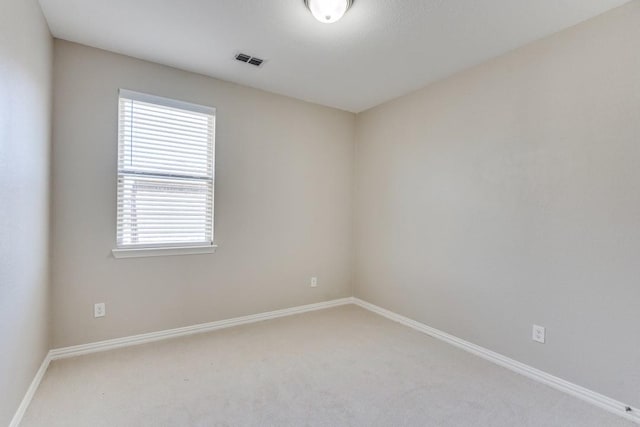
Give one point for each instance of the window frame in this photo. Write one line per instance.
(170, 248)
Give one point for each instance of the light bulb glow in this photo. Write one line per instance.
(328, 11)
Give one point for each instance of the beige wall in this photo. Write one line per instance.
(25, 106)
(508, 195)
(283, 204)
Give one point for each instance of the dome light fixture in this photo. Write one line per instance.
(328, 11)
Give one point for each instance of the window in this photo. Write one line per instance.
(165, 175)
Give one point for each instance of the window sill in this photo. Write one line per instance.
(148, 252)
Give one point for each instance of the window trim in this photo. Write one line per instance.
(168, 249)
(163, 251)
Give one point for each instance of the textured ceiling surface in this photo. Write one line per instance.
(381, 49)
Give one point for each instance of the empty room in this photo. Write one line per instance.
(320, 213)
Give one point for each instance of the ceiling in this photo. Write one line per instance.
(381, 49)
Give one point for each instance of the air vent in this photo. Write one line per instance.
(256, 61)
(243, 57)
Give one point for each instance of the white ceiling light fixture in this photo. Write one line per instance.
(328, 11)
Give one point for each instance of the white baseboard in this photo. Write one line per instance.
(575, 390)
(26, 400)
(94, 347)
(78, 350)
(582, 393)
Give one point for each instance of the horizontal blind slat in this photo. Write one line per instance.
(168, 168)
(167, 147)
(142, 126)
(168, 118)
(137, 115)
(133, 158)
(164, 128)
(128, 135)
(161, 198)
(155, 151)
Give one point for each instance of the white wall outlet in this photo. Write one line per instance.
(538, 334)
(99, 310)
(314, 282)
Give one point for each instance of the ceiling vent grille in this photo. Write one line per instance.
(243, 57)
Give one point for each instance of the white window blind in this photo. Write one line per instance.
(165, 172)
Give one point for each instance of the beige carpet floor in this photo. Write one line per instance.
(338, 367)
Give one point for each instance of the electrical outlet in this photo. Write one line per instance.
(99, 310)
(314, 282)
(538, 334)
